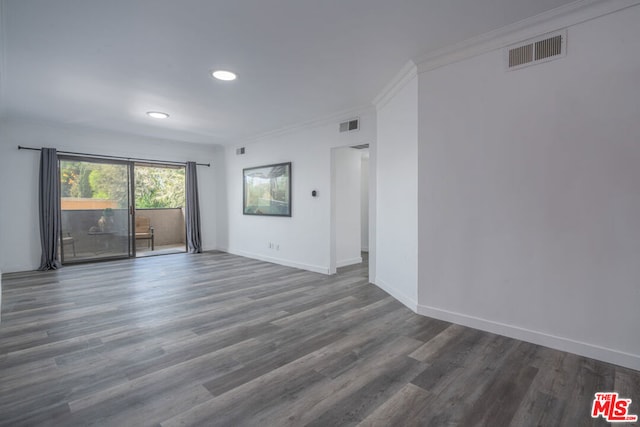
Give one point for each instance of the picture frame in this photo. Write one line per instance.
(266, 190)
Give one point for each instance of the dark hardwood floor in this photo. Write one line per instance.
(215, 339)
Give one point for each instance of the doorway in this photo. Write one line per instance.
(120, 209)
(349, 206)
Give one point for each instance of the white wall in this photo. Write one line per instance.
(397, 195)
(529, 193)
(19, 229)
(304, 239)
(364, 202)
(347, 164)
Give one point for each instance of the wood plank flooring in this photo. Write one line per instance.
(219, 340)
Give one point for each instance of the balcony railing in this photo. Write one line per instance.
(83, 224)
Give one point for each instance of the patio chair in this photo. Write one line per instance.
(144, 230)
(69, 240)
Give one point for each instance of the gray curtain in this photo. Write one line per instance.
(49, 201)
(192, 210)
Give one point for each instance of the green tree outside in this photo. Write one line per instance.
(156, 187)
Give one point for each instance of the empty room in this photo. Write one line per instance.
(330, 213)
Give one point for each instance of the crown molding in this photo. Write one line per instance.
(571, 14)
(404, 76)
(43, 124)
(285, 130)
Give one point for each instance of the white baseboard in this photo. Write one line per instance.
(20, 268)
(559, 343)
(280, 261)
(347, 262)
(404, 299)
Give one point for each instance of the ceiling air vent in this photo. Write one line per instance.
(541, 49)
(350, 125)
(360, 147)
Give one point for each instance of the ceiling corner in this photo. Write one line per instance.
(556, 19)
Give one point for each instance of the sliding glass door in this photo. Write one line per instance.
(120, 209)
(96, 209)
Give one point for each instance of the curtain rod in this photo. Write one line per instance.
(103, 156)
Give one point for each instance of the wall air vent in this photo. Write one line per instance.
(520, 55)
(350, 125)
(548, 47)
(541, 49)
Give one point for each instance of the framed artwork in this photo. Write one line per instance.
(267, 190)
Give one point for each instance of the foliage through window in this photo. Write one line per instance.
(159, 187)
(156, 187)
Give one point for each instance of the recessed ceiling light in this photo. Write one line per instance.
(224, 75)
(157, 115)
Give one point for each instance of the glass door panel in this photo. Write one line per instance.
(159, 214)
(95, 209)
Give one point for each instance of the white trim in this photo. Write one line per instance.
(560, 343)
(562, 17)
(280, 261)
(404, 76)
(401, 297)
(20, 268)
(373, 200)
(79, 127)
(347, 262)
(336, 118)
(333, 265)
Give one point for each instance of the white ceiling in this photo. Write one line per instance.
(103, 64)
